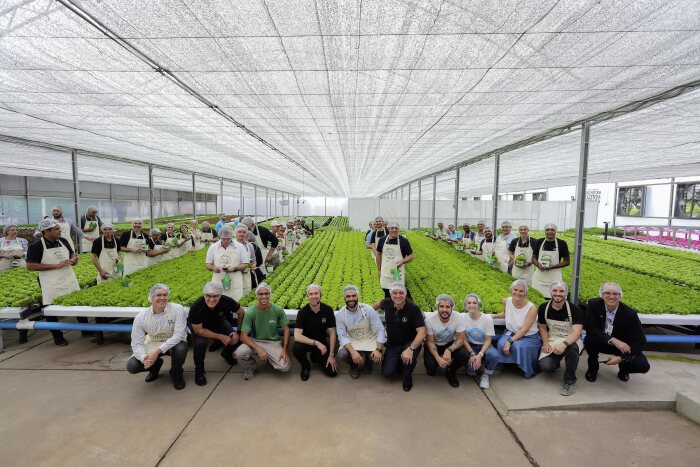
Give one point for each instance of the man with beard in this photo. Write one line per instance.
(444, 347)
(550, 254)
(486, 250)
(560, 324)
(314, 321)
(380, 230)
(68, 227)
(136, 246)
(360, 332)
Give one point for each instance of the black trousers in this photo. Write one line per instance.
(631, 363)
(460, 357)
(54, 319)
(300, 350)
(552, 362)
(393, 365)
(201, 343)
(177, 354)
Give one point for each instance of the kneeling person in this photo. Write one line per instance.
(211, 317)
(314, 321)
(259, 334)
(444, 345)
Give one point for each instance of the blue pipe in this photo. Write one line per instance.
(41, 325)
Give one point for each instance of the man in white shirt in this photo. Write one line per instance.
(444, 347)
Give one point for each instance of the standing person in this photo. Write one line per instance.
(480, 333)
(468, 238)
(614, 328)
(361, 334)
(207, 235)
(221, 222)
(393, 253)
(186, 240)
(453, 236)
(172, 240)
(405, 330)
(68, 227)
(440, 233)
(380, 231)
(368, 235)
(550, 254)
(521, 342)
(444, 346)
(160, 250)
(225, 259)
(196, 235)
(264, 239)
(561, 324)
(487, 248)
(259, 335)
(53, 258)
(520, 252)
(211, 317)
(256, 274)
(480, 235)
(91, 225)
(136, 246)
(248, 257)
(105, 254)
(13, 250)
(503, 241)
(159, 330)
(314, 321)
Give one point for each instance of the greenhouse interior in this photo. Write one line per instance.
(422, 151)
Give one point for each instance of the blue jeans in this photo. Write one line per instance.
(490, 359)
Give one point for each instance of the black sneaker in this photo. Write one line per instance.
(200, 379)
(215, 345)
(623, 375)
(179, 382)
(367, 367)
(591, 376)
(452, 379)
(407, 383)
(62, 342)
(154, 371)
(430, 372)
(304, 375)
(354, 372)
(230, 359)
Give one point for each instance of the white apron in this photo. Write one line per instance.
(205, 238)
(56, 282)
(229, 259)
(15, 249)
(488, 253)
(153, 341)
(186, 247)
(523, 254)
(542, 280)
(502, 256)
(86, 242)
(108, 259)
(135, 261)
(559, 330)
(151, 260)
(469, 244)
(362, 334)
(65, 232)
(172, 243)
(247, 279)
(263, 250)
(391, 254)
(477, 239)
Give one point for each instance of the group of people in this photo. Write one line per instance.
(535, 338)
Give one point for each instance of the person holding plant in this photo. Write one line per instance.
(264, 239)
(227, 260)
(503, 241)
(441, 233)
(393, 253)
(445, 342)
(614, 328)
(13, 249)
(480, 235)
(453, 236)
(211, 317)
(315, 321)
(487, 248)
(468, 237)
(186, 239)
(207, 235)
(550, 254)
(196, 234)
(160, 249)
(159, 330)
(405, 330)
(91, 225)
(260, 336)
(361, 333)
(136, 246)
(105, 254)
(520, 252)
(480, 333)
(561, 324)
(520, 343)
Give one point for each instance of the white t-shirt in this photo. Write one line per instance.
(479, 329)
(444, 333)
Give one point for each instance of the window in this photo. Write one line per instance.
(477, 198)
(630, 201)
(519, 197)
(540, 196)
(688, 201)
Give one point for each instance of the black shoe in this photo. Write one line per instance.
(430, 372)
(23, 336)
(179, 382)
(100, 338)
(61, 341)
(304, 375)
(407, 383)
(591, 376)
(200, 379)
(452, 379)
(230, 359)
(215, 345)
(154, 371)
(367, 367)
(623, 375)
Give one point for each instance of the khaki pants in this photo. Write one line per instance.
(274, 352)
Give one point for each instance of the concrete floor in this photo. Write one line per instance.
(76, 405)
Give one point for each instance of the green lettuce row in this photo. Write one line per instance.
(687, 256)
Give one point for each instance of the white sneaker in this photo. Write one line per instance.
(248, 373)
(484, 384)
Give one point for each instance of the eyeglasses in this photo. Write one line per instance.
(211, 297)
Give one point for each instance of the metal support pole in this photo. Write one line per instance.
(76, 193)
(496, 176)
(242, 204)
(111, 204)
(432, 223)
(267, 204)
(194, 198)
(456, 198)
(26, 197)
(670, 203)
(325, 206)
(150, 195)
(420, 192)
(580, 211)
(255, 203)
(409, 206)
(614, 223)
(275, 210)
(221, 195)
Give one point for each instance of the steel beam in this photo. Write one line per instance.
(580, 211)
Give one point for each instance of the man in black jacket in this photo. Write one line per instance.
(614, 328)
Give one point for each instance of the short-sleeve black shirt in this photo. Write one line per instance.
(200, 313)
(401, 326)
(36, 250)
(268, 239)
(403, 243)
(97, 245)
(518, 242)
(377, 234)
(315, 325)
(549, 246)
(126, 236)
(560, 315)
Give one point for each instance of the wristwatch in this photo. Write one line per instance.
(331, 354)
(411, 347)
(510, 340)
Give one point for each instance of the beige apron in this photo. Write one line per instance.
(56, 282)
(65, 232)
(542, 280)
(205, 238)
(520, 272)
(151, 260)
(488, 253)
(502, 256)
(477, 239)
(107, 259)
(15, 249)
(264, 250)
(153, 341)
(196, 237)
(185, 247)
(247, 279)
(229, 258)
(362, 334)
(175, 251)
(559, 330)
(391, 254)
(86, 242)
(135, 261)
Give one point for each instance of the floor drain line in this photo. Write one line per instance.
(513, 434)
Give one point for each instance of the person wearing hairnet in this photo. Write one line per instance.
(13, 249)
(264, 239)
(68, 227)
(136, 246)
(159, 330)
(445, 335)
(228, 260)
(105, 253)
(549, 255)
(393, 253)
(91, 225)
(160, 250)
(207, 235)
